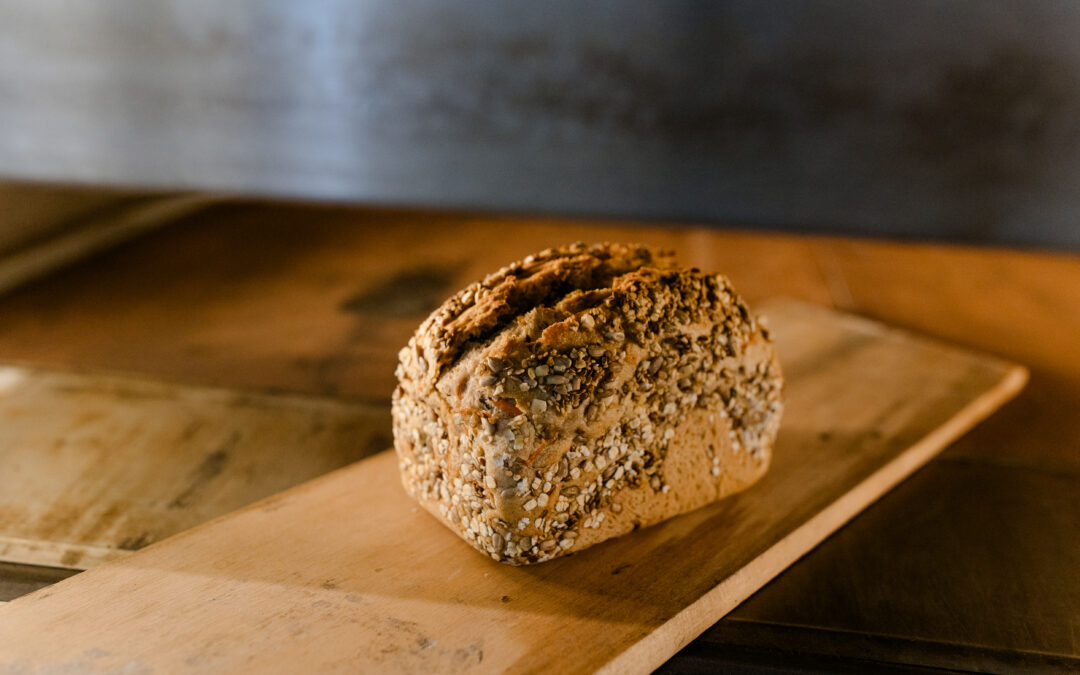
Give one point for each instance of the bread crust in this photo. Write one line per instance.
(582, 393)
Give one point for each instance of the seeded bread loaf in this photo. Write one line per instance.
(580, 394)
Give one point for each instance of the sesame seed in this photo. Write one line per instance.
(542, 500)
(587, 321)
(538, 406)
(539, 371)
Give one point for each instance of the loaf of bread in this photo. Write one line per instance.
(582, 393)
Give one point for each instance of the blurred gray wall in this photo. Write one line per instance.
(956, 120)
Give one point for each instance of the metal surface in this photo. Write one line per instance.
(958, 119)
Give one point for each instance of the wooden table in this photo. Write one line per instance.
(973, 563)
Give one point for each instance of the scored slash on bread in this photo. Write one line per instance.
(582, 393)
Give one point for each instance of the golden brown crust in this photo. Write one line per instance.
(479, 311)
(581, 393)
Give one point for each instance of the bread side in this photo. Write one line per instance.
(582, 393)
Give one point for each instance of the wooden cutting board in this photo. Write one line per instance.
(93, 466)
(345, 574)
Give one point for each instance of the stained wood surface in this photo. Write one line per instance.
(31, 212)
(945, 510)
(93, 466)
(344, 573)
(18, 580)
(316, 300)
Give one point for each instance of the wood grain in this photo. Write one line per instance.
(344, 572)
(93, 466)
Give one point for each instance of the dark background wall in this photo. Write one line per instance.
(956, 120)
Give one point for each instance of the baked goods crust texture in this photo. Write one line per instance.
(582, 393)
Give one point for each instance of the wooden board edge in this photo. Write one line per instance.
(93, 235)
(47, 553)
(657, 647)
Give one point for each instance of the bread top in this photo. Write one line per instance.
(578, 273)
(538, 339)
